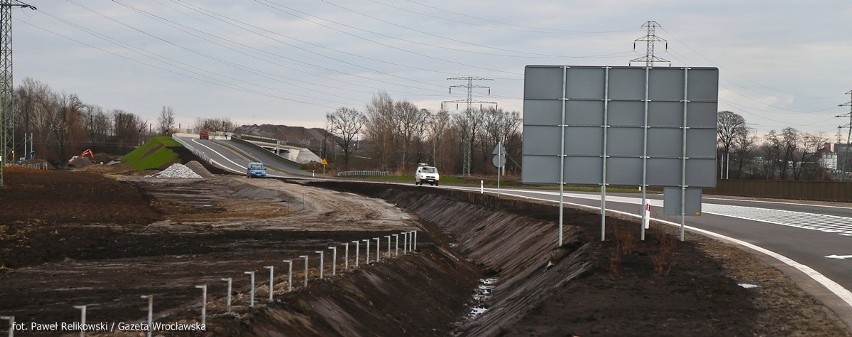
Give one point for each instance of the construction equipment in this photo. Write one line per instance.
(79, 161)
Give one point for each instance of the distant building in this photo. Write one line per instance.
(843, 153)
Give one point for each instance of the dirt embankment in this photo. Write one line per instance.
(619, 287)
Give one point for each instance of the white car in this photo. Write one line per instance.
(426, 174)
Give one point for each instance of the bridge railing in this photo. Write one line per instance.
(196, 152)
(362, 173)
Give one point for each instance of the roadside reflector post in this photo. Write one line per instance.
(481, 187)
(11, 320)
(389, 246)
(647, 219)
(150, 313)
(396, 249)
(289, 275)
(368, 251)
(320, 252)
(271, 281)
(251, 291)
(228, 298)
(306, 268)
(346, 257)
(82, 319)
(357, 246)
(414, 240)
(378, 250)
(203, 288)
(333, 260)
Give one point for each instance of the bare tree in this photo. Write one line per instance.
(745, 143)
(214, 124)
(808, 155)
(380, 128)
(409, 120)
(728, 126)
(345, 123)
(166, 121)
(438, 125)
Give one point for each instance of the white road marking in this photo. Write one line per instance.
(839, 257)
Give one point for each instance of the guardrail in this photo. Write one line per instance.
(194, 151)
(362, 173)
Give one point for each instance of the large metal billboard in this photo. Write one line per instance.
(620, 125)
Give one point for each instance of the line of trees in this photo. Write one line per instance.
(786, 154)
(398, 135)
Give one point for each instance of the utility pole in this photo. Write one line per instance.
(6, 121)
(650, 39)
(848, 136)
(468, 113)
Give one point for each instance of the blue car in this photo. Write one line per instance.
(255, 169)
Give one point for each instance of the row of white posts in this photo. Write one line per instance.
(409, 245)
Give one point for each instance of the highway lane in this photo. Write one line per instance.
(228, 158)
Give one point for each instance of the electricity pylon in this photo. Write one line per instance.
(650, 39)
(848, 136)
(468, 114)
(6, 121)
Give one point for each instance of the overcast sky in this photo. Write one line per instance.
(782, 63)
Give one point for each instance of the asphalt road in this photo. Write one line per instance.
(811, 242)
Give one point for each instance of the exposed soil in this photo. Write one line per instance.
(70, 238)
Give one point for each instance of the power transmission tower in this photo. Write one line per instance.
(6, 121)
(848, 136)
(468, 136)
(650, 39)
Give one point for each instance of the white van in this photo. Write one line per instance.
(428, 174)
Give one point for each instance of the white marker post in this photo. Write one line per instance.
(271, 281)
(306, 268)
(203, 288)
(230, 283)
(396, 249)
(333, 260)
(357, 246)
(150, 313)
(289, 275)
(251, 292)
(414, 240)
(11, 320)
(389, 246)
(378, 250)
(368, 250)
(320, 252)
(82, 319)
(405, 243)
(346, 257)
(481, 187)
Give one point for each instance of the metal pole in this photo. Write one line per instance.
(82, 319)
(251, 293)
(228, 301)
(603, 156)
(271, 281)
(414, 240)
(645, 150)
(499, 159)
(684, 157)
(321, 253)
(203, 288)
(357, 247)
(289, 275)
(333, 260)
(11, 324)
(562, 156)
(306, 268)
(150, 313)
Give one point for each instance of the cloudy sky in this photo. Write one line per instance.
(782, 63)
